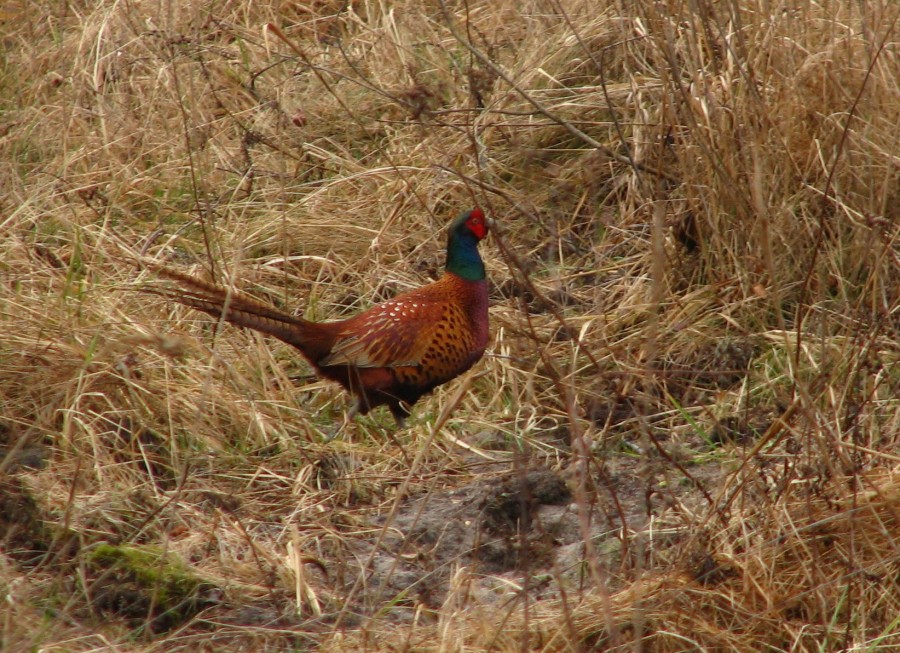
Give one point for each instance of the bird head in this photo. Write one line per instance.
(462, 245)
(474, 222)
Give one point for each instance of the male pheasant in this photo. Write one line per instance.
(392, 353)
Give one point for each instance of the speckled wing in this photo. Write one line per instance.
(397, 333)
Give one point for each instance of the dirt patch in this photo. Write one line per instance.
(520, 530)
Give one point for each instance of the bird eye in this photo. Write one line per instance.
(477, 223)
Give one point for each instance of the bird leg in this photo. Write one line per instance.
(360, 408)
(400, 412)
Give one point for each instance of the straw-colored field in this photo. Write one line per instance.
(684, 434)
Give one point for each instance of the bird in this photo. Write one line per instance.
(389, 355)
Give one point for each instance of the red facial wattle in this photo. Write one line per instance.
(477, 223)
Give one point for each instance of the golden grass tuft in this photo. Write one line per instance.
(695, 298)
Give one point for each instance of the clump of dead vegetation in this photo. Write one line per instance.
(684, 435)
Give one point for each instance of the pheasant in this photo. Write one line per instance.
(391, 354)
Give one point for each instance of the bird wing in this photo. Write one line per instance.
(396, 333)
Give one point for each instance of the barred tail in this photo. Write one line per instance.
(243, 311)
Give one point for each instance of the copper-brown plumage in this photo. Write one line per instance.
(394, 352)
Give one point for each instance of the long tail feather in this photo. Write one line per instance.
(241, 310)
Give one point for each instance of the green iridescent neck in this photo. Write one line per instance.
(463, 258)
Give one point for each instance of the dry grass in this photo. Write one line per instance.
(695, 318)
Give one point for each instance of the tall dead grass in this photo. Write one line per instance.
(695, 280)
